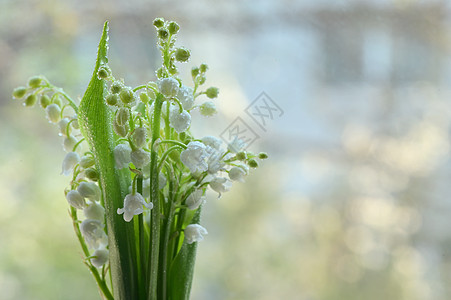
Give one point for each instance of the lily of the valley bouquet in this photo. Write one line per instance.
(138, 176)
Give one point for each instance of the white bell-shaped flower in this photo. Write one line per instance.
(140, 157)
(237, 174)
(53, 112)
(89, 190)
(63, 127)
(100, 257)
(214, 160)
(212, 141)
(194, 233)
(180, 121)
(186, 97)
(92, 231)
(220, 185)
(236, 145)
(195, 199)
(133, 205)
(208, 109)
(94, 211)
(139, 137)
(69, 143)
(70, 161)
(76, 200)
(122, 155)
(168, 86)
(194, 157)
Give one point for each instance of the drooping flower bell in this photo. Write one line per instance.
(89, 190)
(194, 157)
(133, 205)
(180, 121)
(76, 200)
(92, 231)
(168, 86)
(100, 257)
(70, 161)
(122, 155)
(185, 96)
(220, 185)
(194, 233)
(195, 199)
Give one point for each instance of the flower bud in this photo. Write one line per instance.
(173, 27)
(194, 233)
(53, 113)
(122, 155)
(19, 92)
(100, 257)
(92, 174)
(87, 161)
(241, 155)
(161, 73)
(203, 68)
(194, 71)
(144, 98)
(263, 155)
(57, 101)
(122, 116)
(69, 143)
(208, 109)
(75, 199)
(158, 22)
(126, 95)
(69, 162)
(163, 33)
(212, 92)
(112, 99)
(104, 72)
(252, 163)
(94, 211)
(120, 130)
(116, 87)
(140, 158)
(168, 86)
(182, 54)
(89, 190)
(30, 100)
(202, 79)
(139, 137)
(44, 101)
(34, 81)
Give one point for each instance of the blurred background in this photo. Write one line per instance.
(354, 201)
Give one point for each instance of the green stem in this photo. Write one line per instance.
(154, 196)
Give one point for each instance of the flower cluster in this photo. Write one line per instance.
(167, 169)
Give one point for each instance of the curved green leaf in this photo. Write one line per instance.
(95, 119)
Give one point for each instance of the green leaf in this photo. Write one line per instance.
(182, 269)
(95, 119)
